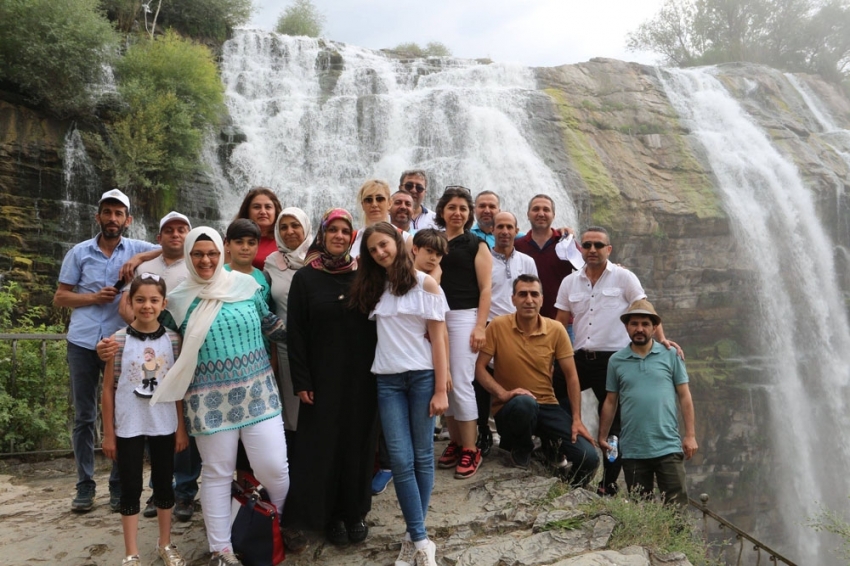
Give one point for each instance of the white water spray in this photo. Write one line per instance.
(803, 325)
(463, 122)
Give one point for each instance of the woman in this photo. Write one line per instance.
(293, 236)
(411, 365)
(224, 377)
(374, 199)
(466, 282)
(331, 349)
(262, 206)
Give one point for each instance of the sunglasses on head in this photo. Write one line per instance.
(409, 186)
(458, 188)
(597, 245)
(376, 198)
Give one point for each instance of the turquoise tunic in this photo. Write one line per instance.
(233, 385)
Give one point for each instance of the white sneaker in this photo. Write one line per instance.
(426, 556)
(405, 555)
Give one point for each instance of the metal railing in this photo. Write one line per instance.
(741, 536)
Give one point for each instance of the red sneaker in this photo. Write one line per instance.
(470, 460)
(450, 457)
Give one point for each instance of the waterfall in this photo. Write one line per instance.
(321, 117)
(802, 325)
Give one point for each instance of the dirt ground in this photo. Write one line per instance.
(37, 525)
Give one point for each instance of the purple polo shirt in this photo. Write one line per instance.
(550, 268)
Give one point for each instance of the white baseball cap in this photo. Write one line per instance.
(115, 194)
(171, 217)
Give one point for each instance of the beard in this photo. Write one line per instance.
(110, 231)
(640, 339)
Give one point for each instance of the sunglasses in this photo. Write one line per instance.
(411, 186)
(597, 245)
(378, 198)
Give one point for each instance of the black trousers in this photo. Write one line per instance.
(131, 458)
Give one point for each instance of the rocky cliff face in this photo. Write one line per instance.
(609, 133)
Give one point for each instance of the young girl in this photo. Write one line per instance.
(146, 351)
(411, 372)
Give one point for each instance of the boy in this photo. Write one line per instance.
(241, 242)
(429, 247)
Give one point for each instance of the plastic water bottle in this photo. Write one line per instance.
(614, 451)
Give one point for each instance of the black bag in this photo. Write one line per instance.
(255, 525)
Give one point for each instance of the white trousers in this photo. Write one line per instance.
(460, 324)
(265, 445)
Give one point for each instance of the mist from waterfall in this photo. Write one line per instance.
(321, 117)
(802, 325)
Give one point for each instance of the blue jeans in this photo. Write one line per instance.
(187, 470)
(523, 416)
(404, 400)
(85, 369)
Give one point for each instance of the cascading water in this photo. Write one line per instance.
(321, 117)
(802, 326)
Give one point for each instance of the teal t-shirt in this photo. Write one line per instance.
(265, 293)
(647, 390)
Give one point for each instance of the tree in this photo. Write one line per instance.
(208, 19)
(432, 49)
(301, 18)
(53, 52)
(173, 95)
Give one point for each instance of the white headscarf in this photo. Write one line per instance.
(286, 258)
(223, 287)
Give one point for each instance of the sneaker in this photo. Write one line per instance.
(84, 501)
(294, 541)
(169, 555)
(426, 556)
(485, 441)
(470, 461)
(183, 509)
(406, 554)
(132, 560)
(450, 456)
(443, 434)
(520, 459)
(562, 464)
(380, 481)
(150, 509)
(224, 559)
(114, 501)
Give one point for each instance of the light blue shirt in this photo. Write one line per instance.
(88, 270)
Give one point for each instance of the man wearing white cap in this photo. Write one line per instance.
(88, 283)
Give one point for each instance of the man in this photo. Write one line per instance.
(415, 183)
(87, 283)
(646, 379)
(486, 207)
(401, 211)
(524, 346)
(595, 297)
(540, 243)
(171, 266)
(507, 265)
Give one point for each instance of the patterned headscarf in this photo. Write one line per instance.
(318, 256)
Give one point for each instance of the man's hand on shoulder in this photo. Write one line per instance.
(670, 344)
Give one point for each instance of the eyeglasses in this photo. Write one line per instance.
(410, 186)
(597, 245)
(378, 198)
(459, 188)
(153, 276)
(201, 255)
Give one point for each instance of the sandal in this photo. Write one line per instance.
(357, 531)
(337, 533)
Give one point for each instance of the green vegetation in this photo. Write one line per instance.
(432, 49)
(172, 94)
(208, 19)
(797, 35)
(34, 407)
(828, 521)
(301, 18)
(52, 52)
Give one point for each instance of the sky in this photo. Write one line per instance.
(538, 33)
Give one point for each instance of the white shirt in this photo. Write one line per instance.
(173, 274)
(597, 308)
(402, 323)
(505, 270)
(426, 219)
(355, 245)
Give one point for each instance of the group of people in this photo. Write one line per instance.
(294, 355)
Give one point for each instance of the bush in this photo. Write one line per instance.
(173, 95)
(432, 49)
(53, 51)
(301, 18)
(34, 407)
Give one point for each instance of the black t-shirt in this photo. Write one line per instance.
(459, 281)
